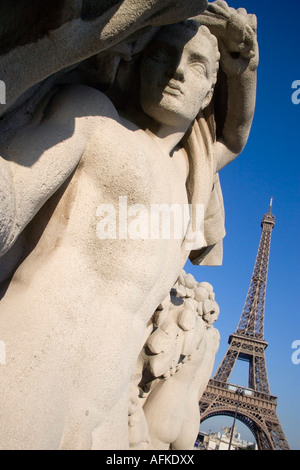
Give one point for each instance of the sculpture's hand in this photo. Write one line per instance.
(235, 31)
(236, 34)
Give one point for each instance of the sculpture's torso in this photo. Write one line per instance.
(78, 304)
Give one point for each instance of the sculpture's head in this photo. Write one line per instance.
(178, 73)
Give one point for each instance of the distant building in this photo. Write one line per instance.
(220, 441)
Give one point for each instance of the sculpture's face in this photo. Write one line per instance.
(177, 75)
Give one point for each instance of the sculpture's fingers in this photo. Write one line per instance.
(219, 7)
(249, 42)
(242, 12)
(252, 21)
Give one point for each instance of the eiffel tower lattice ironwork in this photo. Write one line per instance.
(254, 406)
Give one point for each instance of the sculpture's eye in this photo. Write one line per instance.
(198, 67)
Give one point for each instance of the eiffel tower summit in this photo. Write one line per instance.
(254, 406)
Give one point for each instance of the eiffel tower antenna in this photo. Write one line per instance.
(254, 406)
(270, 207)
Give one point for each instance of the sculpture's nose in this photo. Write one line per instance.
(179, 75)
(176, 70)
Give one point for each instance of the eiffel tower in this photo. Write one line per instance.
(254, 406)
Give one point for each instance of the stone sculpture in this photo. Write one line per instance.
(173, 369)
(77, 302)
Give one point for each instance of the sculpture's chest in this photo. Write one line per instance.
(120, 162)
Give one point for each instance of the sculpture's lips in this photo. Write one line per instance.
(173, 88)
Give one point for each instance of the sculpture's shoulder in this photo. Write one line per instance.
(81, 102)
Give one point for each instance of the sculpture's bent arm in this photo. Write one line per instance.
(236, 34)
(241, 105)
(77, 40)
(39, 159)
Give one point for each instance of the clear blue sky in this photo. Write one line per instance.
(269, 166)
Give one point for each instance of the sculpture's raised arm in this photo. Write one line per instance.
(78, 39)
(236, 34)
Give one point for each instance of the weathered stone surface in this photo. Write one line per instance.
(111, 112)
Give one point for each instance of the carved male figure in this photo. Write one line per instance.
(73, 316)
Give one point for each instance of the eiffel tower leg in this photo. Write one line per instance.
(226, 367)
(263, 443)
(258, 378)
(270, 436)
(277, 435)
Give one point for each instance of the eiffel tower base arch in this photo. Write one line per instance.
(256, 410)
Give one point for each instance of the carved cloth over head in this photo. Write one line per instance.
(204, 187)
